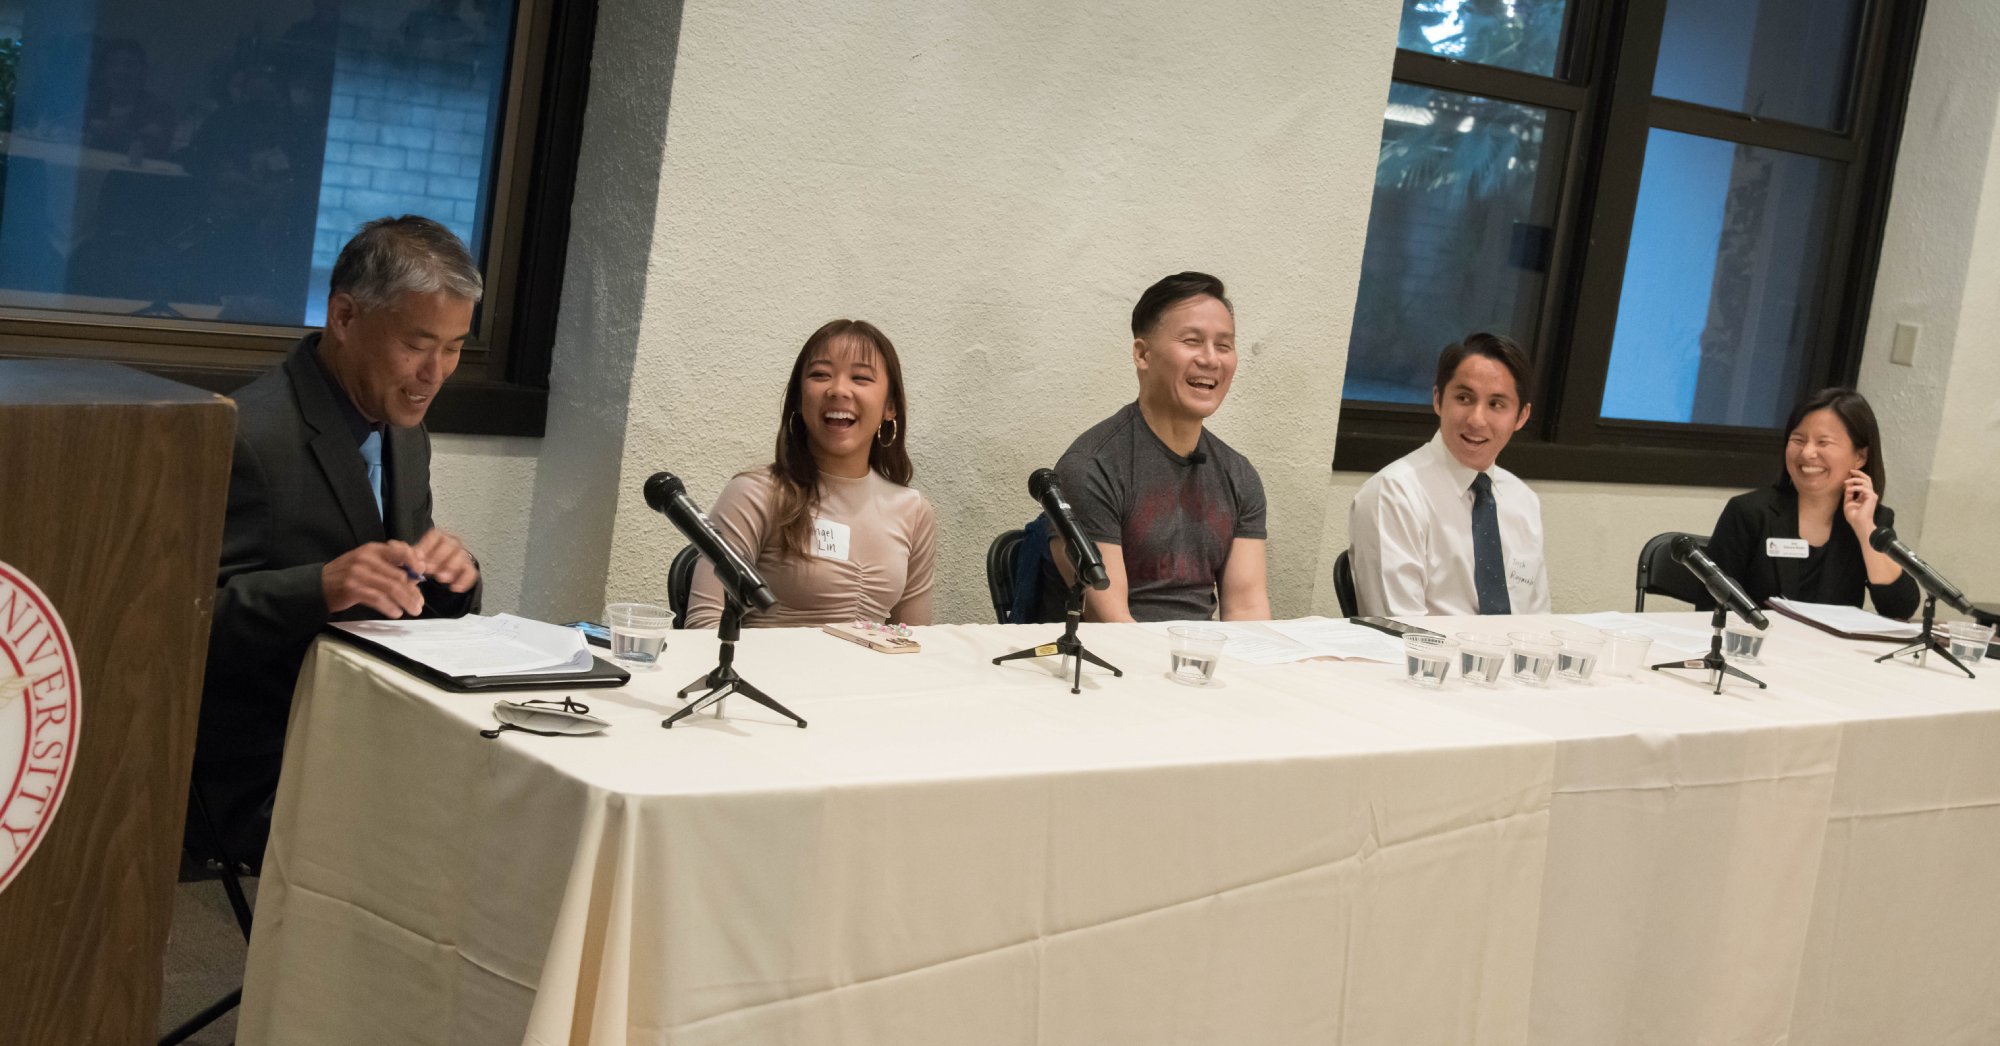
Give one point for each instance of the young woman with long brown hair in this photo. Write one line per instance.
(832, 523)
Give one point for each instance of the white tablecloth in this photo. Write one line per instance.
(1319, 852)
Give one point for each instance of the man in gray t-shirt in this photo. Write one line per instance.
(1177, 515)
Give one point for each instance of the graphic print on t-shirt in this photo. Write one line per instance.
(1173, 536)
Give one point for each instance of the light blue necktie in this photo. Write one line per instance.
(1489, 571)
(371, 452)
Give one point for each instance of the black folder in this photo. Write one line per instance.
(601, 673)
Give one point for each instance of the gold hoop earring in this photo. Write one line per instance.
(891, 441)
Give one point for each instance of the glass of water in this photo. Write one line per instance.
(638, 631)
(1481, 656)
(1579, 654)
(1628, 652)
(1535, 655)
(1742, 644)
(1428, 659)
(1967, 640)
(1194, 651)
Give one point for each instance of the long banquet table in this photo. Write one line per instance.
(1315, 852)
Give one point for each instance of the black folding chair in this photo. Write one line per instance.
(1343, 583)
(680, 582)
(1662, 575)
(1000, 560)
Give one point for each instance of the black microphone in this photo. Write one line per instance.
(1884, 540)
(1083, 555)
(667, 494)
(1196, 457)
(1687, 552)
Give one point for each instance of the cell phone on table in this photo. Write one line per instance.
(1394, 627)
(594, 633)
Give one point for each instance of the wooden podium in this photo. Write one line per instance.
(112, 488)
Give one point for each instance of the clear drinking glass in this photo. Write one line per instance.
(1535, 655)
(1194, 651)
(1427, 659)
(1481, 656)
(1628, 652)
(638, 631)
(1967, 640)
(1579, 655)
(1742, 644)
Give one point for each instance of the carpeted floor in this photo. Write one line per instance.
(204, 959)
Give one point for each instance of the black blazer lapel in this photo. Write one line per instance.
(333, 447)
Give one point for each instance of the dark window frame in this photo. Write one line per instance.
(501, 386)
(1604, 79)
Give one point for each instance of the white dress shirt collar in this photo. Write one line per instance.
(1461, 477)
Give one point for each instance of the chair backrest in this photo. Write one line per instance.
(1662, 575)
(1343, 584)
(680, 582)
(1000, 556)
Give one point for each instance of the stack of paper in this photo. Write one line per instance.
(1281, 642)
(1848, 621)
(501, 645)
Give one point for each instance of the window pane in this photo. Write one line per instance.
(1776, 59)
(1720, 283)
(163, 164)
(1514, 34)
(1459, 235)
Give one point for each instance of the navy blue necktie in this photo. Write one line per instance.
(1489, 568)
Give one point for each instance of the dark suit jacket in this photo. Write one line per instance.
(298, 498)
(1737, 546)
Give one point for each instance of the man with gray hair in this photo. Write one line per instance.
(329, 513)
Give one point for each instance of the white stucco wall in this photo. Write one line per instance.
(482, 490)
(1941, 269)
(994, 184)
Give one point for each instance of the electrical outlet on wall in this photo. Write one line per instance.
(1903, 350)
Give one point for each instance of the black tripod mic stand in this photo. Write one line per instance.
(724, 681)
(1929, 642)
(1713, 660)
(1068, 646)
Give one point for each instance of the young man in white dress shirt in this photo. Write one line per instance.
(1443, 530)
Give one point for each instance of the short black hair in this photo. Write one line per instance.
(1170, 292)
(1496, 347)
(1853, 410)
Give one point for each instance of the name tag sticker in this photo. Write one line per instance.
(830, 539)
(1786, 548)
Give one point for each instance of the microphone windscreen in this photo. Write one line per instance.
(1039, 481)
(1882, 538)
(1197, 458)
(1683, 547)
(661, 487)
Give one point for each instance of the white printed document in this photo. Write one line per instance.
(1847, 621)
(1282, 642)
(473, 645)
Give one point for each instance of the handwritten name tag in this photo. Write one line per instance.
(831, 539)
(1786, 548)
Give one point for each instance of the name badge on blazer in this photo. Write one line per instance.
(1786, 548)
(830, 539)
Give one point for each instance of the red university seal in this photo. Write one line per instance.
(39, 713)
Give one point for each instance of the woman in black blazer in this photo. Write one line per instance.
(1805, 537)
